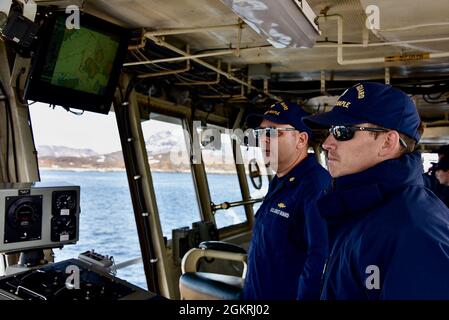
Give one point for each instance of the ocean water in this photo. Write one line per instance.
(107, 222)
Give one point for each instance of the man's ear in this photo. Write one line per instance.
(390, 145)
(303, 139)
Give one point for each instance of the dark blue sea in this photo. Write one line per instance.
(107, 222)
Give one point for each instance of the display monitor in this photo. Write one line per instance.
(80, 67)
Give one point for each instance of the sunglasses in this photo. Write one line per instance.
(270, 132)
(345, 133)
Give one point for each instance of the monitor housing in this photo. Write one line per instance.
(79, 67)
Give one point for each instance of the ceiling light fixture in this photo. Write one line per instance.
(284, 23)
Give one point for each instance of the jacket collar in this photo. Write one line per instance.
(301, 168)
(294, 176)
(361, 192)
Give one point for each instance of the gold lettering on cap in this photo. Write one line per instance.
(344, 104)
(284, 106)
(360, 91)
(272, 112)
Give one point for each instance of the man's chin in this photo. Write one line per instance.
(333, 171)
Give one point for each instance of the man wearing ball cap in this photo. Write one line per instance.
(389, 234)
(289, 244)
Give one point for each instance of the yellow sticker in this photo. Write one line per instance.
(407, 57)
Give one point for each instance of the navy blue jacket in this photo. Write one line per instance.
(440, 190)
(289, 244)
(391, 235)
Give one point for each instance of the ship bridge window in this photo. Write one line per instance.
(254, 155)
(428, 159)
(85, 150)
(169, 160)
(223, 180)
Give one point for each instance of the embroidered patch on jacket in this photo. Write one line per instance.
(280, 213)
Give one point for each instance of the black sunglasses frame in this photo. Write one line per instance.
(270, 131)
(345, 133)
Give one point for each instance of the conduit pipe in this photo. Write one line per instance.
(192, 30)
(162, 43)
(184, 57)
(165, 73)
(201, 83)
(340, 46)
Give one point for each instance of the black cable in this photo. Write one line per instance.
(13, 136)
(7, 133)
(34, 143)
(11, 124)
(333, 41)
(18, 95)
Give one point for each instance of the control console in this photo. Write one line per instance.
(69, 280)
(38, 215)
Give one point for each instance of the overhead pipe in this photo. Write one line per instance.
(416, 26)
(165, 73)
(201, 83)
(162, 43)
(380, 44)
(141, 45)
(189, 56)
(185, 57)
(340, 46)
(192, 30)
(222, 96)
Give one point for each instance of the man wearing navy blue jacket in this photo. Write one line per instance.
(390, 234)
(289, 243)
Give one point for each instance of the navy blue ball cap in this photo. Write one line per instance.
(443, 164)
(371, 102)
(282, 113)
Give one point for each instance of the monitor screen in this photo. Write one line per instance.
(77, 68)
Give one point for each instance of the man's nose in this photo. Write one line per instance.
(329, 143)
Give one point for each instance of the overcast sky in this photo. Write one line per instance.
(94, 131)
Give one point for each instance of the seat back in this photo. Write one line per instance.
(194, 285)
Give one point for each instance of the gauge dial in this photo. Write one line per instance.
(24, 216)
(23, 221)
(63, 228)
(64, 203)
